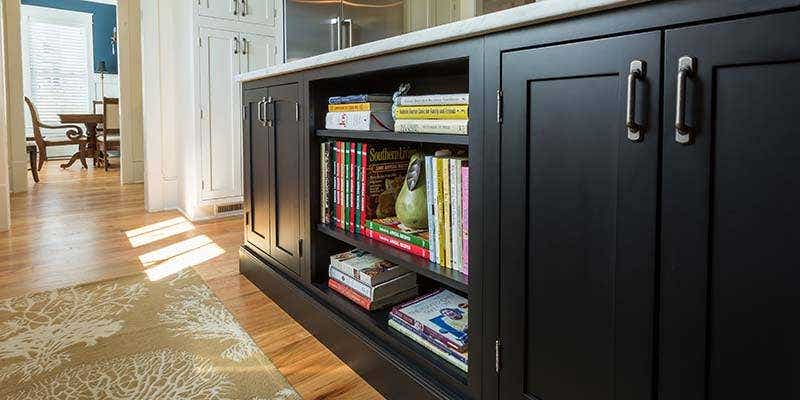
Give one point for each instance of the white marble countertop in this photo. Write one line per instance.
(530, 14)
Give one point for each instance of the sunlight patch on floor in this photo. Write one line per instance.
(159, 234)
(167, 252)
(186, 260)
(155, 226)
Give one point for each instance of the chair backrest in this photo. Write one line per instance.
(110, 115)
(97, 106)
(36, 122)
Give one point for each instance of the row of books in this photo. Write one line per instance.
(447, 190)
(370, 282)
(436, 113)
(438, 321)
(360, 181)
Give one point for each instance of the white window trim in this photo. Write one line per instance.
(62, 17)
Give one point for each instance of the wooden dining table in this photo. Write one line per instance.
(90, 121)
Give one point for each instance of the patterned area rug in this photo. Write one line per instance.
(131, 338)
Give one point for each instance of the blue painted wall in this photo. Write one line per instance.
(104, 19)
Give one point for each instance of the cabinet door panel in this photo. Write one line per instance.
(217, 8)
(257, 172)
(258, 51)
(729, 258)
(260, 12)
(221, 141)
(286, 182)
(578, 222)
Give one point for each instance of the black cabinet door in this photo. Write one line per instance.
(257, 201)
(285, 182)
(730, 280)
(578, 221)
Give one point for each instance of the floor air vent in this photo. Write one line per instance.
(229, 208)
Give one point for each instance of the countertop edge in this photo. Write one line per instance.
(512, 18)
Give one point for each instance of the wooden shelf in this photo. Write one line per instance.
(446, 276)
(394, 136)
(377, 322)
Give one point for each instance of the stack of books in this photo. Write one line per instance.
(439, 321)
(369, 281)
(361, 112)
(436, 113)
(390, 231)
(447, 180)
(360, 181)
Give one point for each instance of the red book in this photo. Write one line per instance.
(339, 178)
(352, 200)
(399, 244)
(351, 294)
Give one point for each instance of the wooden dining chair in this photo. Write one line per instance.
(108, 138)
(74, 136)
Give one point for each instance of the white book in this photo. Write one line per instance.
(360, 120)
(445, 126)
(455, 211)
(435, 99)
(430, 187)
(377, 292)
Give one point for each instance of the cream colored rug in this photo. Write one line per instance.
(131, 338)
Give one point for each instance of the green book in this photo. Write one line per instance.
(391, 226)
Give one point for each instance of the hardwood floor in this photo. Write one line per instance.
(79, 226)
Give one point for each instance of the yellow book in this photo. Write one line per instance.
(359, 107)
(440, 163)
(458, 111)
(448, 244)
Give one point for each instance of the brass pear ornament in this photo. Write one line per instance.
(412, 202)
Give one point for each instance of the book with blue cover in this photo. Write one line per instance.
(360, 98)
(440, 314)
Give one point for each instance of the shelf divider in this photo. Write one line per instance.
(395, 136)
(451, 278)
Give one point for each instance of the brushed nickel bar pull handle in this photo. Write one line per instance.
(686, 68)
(244, 8)
(235, 45)
(245, 45)
(261, 114)
(235, 7)
(349, 23)
(637, 71)
(269, 122)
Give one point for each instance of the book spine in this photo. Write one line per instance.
(432, 112)
(439, 212)
(455, 212)
(363, 205)
(448, 244)
(350, 282)
(351, 107)
(359, 98)
(346, 199)
(323, 184)
(429, 193)
(357, 197)
(429, 339)
(350, 294)
(386, 230)
(435, 99)
(352, 198)
(398, 244)
(465, 220)
(336, 187)
(352, 120)
(445, 353)
(444, 126)
(428, 331)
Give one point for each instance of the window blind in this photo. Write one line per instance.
(58, 67)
